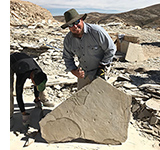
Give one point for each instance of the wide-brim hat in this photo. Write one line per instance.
(71, 16)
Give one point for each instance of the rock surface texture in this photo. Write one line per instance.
(24, 13)
(134, 53)
(98, 112)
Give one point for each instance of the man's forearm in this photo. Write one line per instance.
(19, 91)
(36, 93)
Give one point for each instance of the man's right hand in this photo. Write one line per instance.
(79, 73)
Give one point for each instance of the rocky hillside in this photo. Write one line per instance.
(27, 13)
(146, 17)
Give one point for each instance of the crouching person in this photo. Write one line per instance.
(25, 67)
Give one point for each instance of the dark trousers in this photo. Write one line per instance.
(11, 93)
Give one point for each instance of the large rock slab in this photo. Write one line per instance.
(98, 112)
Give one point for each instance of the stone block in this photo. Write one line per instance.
(98, 112)
(122, 46)
(131, 38)
(135, 53)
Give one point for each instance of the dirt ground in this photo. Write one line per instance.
(136, 139)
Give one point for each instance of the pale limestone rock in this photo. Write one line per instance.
(98, 112)
(153, 104)
(111, 80)
(151, 86)
(130, 86)
(65, 79)
(135, 53)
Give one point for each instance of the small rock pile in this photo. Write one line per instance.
(144, 87)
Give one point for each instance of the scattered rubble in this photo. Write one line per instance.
(130, 73)
(144, 88)
(24, 13)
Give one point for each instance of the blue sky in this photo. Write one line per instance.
(58, 7)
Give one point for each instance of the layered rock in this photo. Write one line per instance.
(27, 13)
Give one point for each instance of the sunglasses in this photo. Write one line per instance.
(74, 23)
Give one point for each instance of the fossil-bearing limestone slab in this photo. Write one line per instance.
(98, 112)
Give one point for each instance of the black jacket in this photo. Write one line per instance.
(22, 65)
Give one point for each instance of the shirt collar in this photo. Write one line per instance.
(85, 28)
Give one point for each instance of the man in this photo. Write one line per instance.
(92, 45)
(25, 67)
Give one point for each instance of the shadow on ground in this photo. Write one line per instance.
(153, 77)
(152, 44)
(36, 114)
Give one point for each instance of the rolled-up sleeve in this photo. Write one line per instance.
(68, 56)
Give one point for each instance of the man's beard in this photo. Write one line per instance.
(78, 35)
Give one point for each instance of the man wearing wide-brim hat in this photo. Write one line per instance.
(91, 44)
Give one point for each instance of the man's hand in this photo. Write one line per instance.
(79, 73)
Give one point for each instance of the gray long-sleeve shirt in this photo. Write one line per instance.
(94, 48)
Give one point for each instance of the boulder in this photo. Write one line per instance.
(98, 112)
